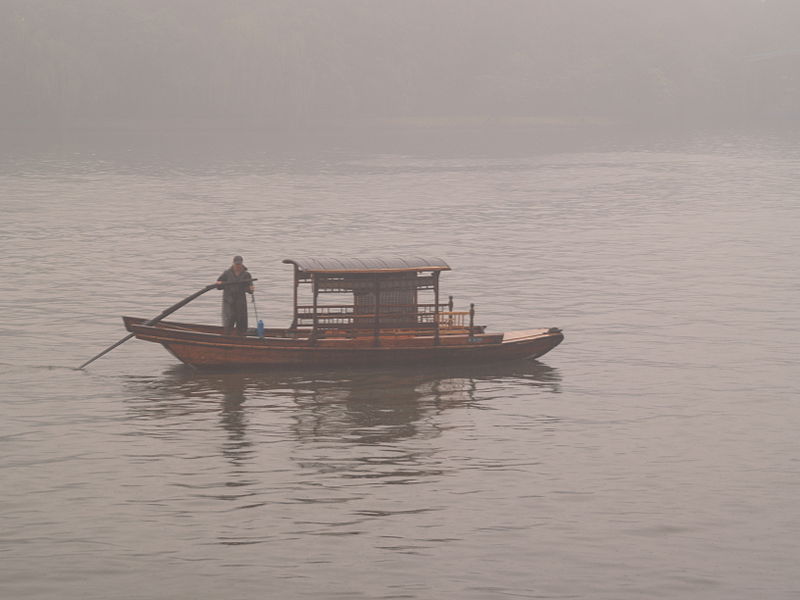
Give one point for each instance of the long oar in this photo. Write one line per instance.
(167, 312)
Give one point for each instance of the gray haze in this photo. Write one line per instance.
(627, 170)
(108, 63)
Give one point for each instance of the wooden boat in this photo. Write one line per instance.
(376, 318)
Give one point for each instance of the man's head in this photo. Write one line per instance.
(238, 264)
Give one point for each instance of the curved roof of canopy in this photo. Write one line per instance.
(393, 264)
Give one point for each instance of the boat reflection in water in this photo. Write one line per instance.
(337, 416)
(365, 405)
(380, 407)
(285, 456)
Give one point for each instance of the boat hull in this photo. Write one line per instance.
(206, 347)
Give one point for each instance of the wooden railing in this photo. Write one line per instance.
(454, 319)
(344, 315)
(343, 320)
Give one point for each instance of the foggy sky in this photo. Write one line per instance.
(96, 63)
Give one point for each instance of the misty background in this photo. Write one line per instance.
(284, 64)
(627, 170)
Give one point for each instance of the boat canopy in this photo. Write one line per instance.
(396, 264)
(384, 294)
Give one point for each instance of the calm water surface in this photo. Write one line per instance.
(654, 454)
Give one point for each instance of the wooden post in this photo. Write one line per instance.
(316, 296)
(296, 285)
(436, 307)
(471, 319)
(377, 341)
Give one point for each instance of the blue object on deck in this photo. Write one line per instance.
(260, 328)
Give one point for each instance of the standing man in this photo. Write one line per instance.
(234, 301)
